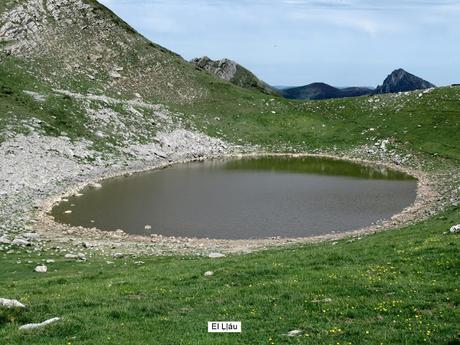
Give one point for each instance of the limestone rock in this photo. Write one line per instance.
(21, 242)
(455, 229)
(4, 240)
(41, 269)
(294, 333)
(233, 72)
(216, 255)
(32, 326)
(11, 303)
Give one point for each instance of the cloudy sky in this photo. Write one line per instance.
(296, 42)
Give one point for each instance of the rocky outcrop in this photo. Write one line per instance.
(400, 81)
(233, 72)
(29, 23)
(224, 69)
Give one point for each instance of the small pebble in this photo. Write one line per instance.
(216, 255)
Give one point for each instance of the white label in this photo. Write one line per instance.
(224, 327)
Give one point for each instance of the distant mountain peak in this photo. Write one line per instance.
(319, 90)
(400, 80)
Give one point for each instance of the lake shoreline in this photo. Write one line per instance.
(423, 206)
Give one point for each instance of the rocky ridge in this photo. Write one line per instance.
(233, 72)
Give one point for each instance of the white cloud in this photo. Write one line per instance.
(360, 21)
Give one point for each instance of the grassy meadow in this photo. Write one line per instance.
(394, 287)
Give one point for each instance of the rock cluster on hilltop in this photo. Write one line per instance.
(399, 81)
(233, 72)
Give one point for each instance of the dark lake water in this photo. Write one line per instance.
(242, 199)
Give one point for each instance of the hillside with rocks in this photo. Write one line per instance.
(82, 44)
(72, 68)
(233, 72)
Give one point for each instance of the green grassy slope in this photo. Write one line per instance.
(426, 124)
(396, 287)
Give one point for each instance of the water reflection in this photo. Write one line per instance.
(247, 198)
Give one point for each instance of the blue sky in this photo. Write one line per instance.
(296, 42)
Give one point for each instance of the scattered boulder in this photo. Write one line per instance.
(117, 255)
(208, 273)
(4, 240)
(31, 236)
(41, 269)
(18, 241)
(114, 74)
(294, 333)
(455, 229)
(32, 326)
(216, 255)
(79, 256)
(11, 303)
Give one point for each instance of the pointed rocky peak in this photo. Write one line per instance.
(400, 80)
